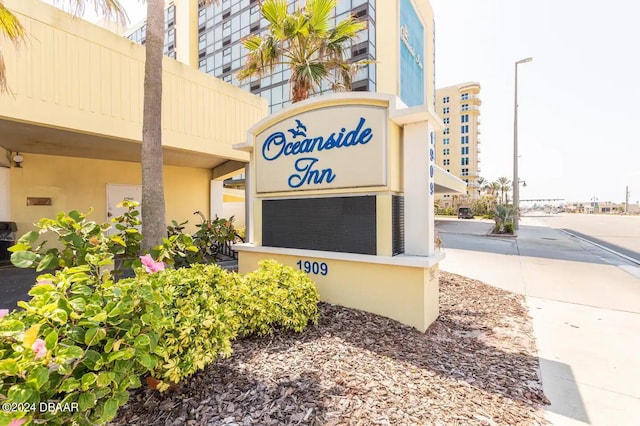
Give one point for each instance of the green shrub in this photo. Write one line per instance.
(508, 228)
(503, 215)
(198, 327)
(81, 339)
(206, 307)
(181, 249)
(80, 239)
(272, 296)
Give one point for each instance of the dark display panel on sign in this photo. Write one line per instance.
(338, 224)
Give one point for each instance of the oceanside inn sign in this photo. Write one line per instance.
(337, 147)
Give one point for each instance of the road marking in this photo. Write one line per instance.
(630, 259)
(633, 270)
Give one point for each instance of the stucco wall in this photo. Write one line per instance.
(80, 183)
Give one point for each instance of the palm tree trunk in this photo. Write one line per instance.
(153, 206)
(300, 92)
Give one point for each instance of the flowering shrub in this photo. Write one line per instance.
(80, 343)
(151, 265)
(83, 339)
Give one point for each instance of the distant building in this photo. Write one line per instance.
(457, 144)
(210, 39)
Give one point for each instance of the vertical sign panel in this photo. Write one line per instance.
(412, 74)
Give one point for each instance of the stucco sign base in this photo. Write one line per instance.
(404, 288)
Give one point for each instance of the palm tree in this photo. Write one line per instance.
(504, 186)
(481, 184)
(153, 204)
(507, 188)
(304, 42)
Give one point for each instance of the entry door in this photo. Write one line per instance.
(118, 193)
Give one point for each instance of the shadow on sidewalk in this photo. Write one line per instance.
(560, 388)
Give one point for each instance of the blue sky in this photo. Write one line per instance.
(577, 136)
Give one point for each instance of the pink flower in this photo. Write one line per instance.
(39, 348)
(17, 422)
(150, 265)
(3, 312)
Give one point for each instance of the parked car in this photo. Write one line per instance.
(465, 213)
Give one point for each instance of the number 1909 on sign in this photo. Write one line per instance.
(313, 267)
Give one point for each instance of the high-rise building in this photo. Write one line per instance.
(458, 143)
(210, 39)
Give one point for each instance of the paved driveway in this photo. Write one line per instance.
(585, 305)
(14, 285)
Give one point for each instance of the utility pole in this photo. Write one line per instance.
(516, 180)
(626, 203)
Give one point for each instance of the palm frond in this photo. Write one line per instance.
(11, 28)
(275, 12)
(303, 41)
(313, 72)
(263, 54)
(346, 29)
(319, 12)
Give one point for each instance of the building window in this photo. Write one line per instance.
(464, 107)
(446, 162)
(465, 150)
(359, 50)
(445, 151)
(445, 141)
(464, 118)
(446, 131)
(464, 129)
(464, 161)
(465, 172)
(464, 140)
(445, 100)
(446, 120)
(464, 97)
(445, 110)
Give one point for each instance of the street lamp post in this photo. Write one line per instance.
(516, 189)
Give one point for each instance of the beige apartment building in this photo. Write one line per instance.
(458, 143)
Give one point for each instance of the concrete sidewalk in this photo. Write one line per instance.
(585, 305)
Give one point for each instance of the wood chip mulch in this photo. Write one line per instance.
(476, 365)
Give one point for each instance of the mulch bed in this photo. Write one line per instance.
(476, 365)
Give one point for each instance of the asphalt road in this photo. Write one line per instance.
(619, 233)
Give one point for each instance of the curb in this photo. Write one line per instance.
(492, 235)
(624, 256)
